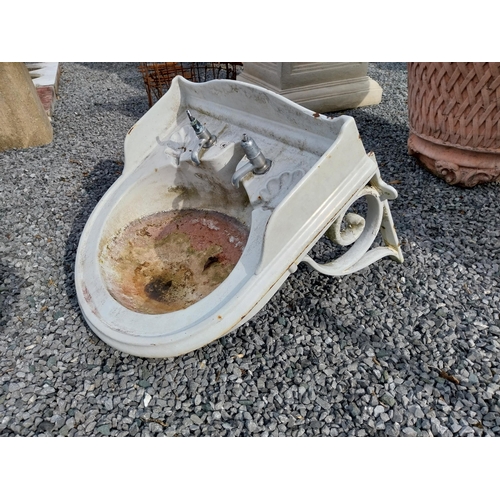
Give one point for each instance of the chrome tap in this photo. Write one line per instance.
(206, 138)
(258, 163)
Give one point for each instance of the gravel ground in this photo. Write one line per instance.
(394, 350)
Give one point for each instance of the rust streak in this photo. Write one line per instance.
(88, 299)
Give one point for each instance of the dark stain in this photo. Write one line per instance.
(157, 289)
(211, 260)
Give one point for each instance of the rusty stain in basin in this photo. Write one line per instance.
(169, 260)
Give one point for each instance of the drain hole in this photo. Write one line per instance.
(158, 288)
(210, 261)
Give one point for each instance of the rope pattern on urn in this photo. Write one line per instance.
(456, 104)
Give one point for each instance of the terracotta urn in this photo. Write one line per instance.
(454, 114)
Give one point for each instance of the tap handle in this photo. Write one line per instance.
(251, 149)
(260, 163)
(198, 127)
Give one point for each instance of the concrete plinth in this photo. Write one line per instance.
(23, 120)
(319, 86)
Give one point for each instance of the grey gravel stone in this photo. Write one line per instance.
(387, 399)
(397, 416)
(358, 355)
(410, 432)
(196, 420)
(103, 429)
(392, 430)
(64, 431)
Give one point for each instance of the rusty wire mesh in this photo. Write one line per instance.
(158, 76)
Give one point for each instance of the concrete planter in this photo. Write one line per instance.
(454, 113)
